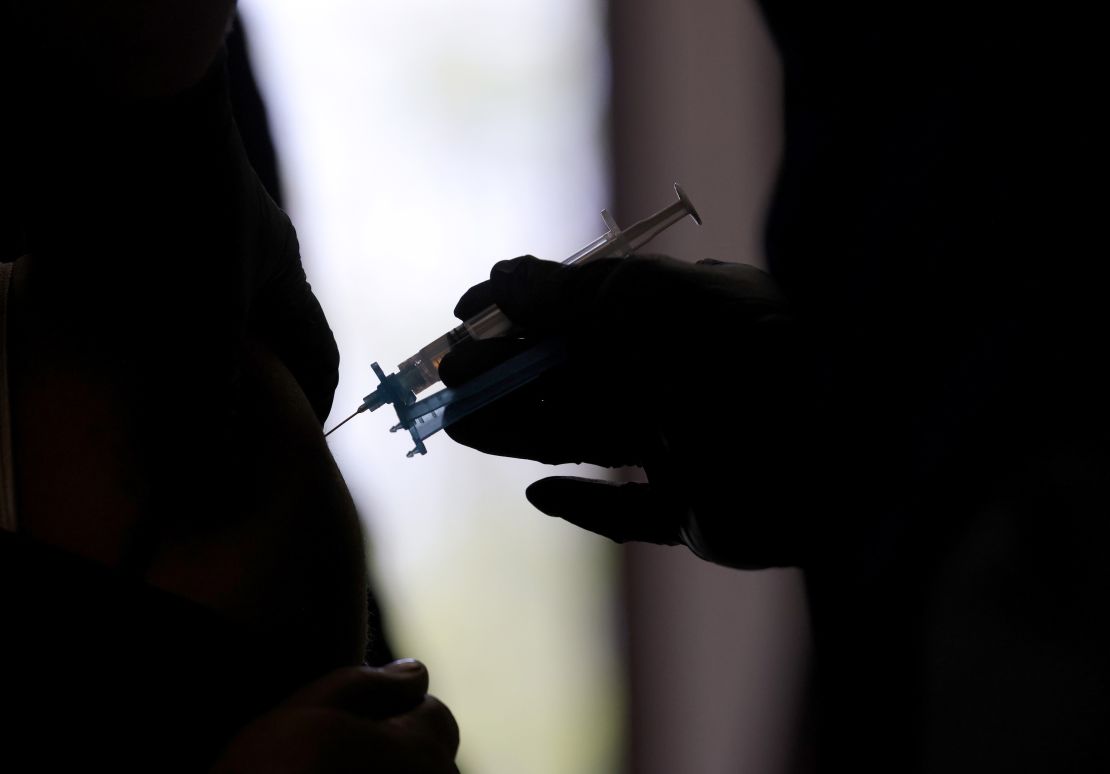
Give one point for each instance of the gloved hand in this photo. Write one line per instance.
(354, 719)
(692, 372)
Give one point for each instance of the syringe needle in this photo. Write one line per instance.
(345, 421)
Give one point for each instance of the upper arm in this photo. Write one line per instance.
(119, 48)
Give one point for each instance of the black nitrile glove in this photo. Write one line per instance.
(689, 371)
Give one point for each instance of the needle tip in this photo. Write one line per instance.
(345, 421)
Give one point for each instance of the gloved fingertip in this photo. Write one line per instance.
(620, 512)
(501, 268)
(531, 292)
(537, 495)
(474, 301)
(447, 370)
(510, 266)
(546, 495)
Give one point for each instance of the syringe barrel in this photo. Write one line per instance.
(608, 245)
(488, 323)
(421, 371)
(491, 321)
(639, 234)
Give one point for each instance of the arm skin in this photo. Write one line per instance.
(163, 339)
(161, 284)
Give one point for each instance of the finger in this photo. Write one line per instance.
(474, 300)
(434, 721)
(368, 691)
(524, 425)
(422, 741)
(472, 358)
(620, 512)
(547, 422)
(548, 297)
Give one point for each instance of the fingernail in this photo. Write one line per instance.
(404, 666)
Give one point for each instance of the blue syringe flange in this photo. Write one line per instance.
(391, 391)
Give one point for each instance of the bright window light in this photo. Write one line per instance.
(421, 142)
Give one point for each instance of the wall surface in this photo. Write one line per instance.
(716, 657)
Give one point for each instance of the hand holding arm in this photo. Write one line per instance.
(361, 719)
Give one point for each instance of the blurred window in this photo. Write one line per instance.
(421, 142)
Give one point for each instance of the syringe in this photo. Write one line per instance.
(421, 371)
